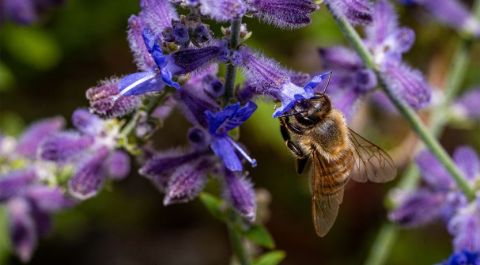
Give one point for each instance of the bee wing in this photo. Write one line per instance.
(327, 191)
(371, 163)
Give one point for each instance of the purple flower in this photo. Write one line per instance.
(33, 136)
(462, 257)
(63, 146)
(465, 228)
(157, 15)
(23, 233)
(219, 124)
(467, 105)
(358, 12)
(351, 80)
(15, 182)
(409, 84)
(440, 198)
(268, 78)
(283, 13)
(163, 165)
(142, 57)
(388, 42)
(88, 177)
(105, 100)
(117, 165)
(239, 191)
(452, 13)
(92, 152)
(223, 10)
(178, 63)
(418, 208)
(187, 182)
(25, 11)
(213, 124)
(29, 206)
(20, 11)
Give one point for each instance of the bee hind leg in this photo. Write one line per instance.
(301, 164)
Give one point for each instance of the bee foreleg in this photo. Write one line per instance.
(284, 132)
(297, 151)
(292, 128)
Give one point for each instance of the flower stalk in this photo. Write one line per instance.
(231, 69)
(230, 76)
(407, 112)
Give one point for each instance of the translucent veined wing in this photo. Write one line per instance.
(371, 163)
(328, 179)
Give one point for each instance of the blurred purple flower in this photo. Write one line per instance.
(452, 13)
(35, 134)
(283, 13)
(92, 150)
(351, 80)
(29, 206)
(25, 11)
(462, 257)
(418, 208)
(465, 228)
(358, 12)
(223, 10)
(466, 106)
(387, 42)
(442, 199)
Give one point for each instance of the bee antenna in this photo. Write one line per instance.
(328, 82)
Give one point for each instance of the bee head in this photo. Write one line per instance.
(313, 110)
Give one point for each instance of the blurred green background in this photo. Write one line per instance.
(46, 68)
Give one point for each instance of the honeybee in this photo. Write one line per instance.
(314, 130)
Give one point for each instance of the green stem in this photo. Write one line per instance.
(147, 108)
(237, 245)
(230, 76)
(231, 69)
(408, 113)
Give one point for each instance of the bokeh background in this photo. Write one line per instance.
(46, 68)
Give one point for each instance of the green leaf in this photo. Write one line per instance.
(270, 258)
(259, 235)
(213, 204)
(4, 239)
(11, 123)
(6, 78)
(32, 46)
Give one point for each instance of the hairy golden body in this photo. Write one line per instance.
(315, 131)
